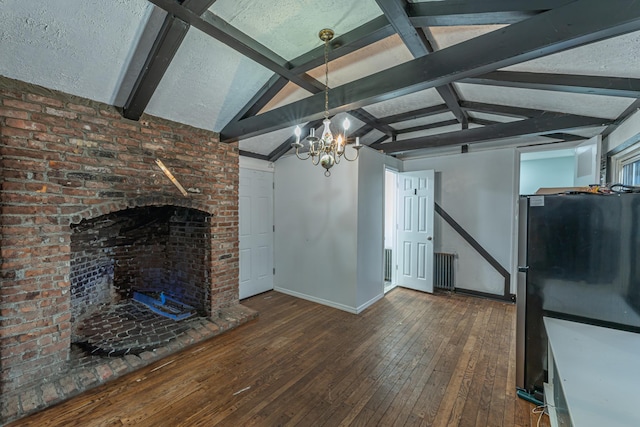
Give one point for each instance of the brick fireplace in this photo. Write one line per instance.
(87, 217)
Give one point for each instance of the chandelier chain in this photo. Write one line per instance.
(326, 79)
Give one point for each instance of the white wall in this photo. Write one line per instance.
(256, 164)
(549, 172)
(329, 231)
(478, 189)
(630, 128)
(587, 162)
(316, 231)
(389, 209)
(626, 135)
(371, 208)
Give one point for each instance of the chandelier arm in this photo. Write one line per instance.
(315, 160)
(302, 158)
(351, 160)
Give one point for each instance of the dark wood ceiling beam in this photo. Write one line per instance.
(460, 19)
(635, 106)
(429, 126)
(253, 155)
(215, 27)
(501, 110)
(416, 41)
(368, 118)
(590, 85)
(471, 12)
(575, 24)
(261, 98)
(566, 137)
(415, 114)
(379, 140)
(198, 6)
(163, 50)
(552, 122)
(484, 122)
(366, 34)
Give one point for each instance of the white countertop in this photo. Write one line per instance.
(599, 369)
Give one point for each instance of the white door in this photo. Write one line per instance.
(415, 230)
(256, 232)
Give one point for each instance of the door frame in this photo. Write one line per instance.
(394, 244)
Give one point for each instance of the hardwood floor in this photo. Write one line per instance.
(411, 359)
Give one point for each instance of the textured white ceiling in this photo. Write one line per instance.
(82, 47)
(206, 84)
(402, 104)
(371, 59)
(574, 103)
(449, 36)
(290, 27)
(493, 117)
(290, 93)
(618, 57)
(265, 144)
(480, 146)
(436, 131)
(366, 61)
(371, 137)
(86, 47)
(424, 121)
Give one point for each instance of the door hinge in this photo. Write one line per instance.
(274, 228)
(274, 271)
(415, 191)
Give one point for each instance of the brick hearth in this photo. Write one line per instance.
(65, 160)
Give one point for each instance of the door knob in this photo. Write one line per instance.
(429, 238)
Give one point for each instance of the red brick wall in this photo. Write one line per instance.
(64, 159)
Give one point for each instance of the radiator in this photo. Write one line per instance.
(443, 271)
(388, 258)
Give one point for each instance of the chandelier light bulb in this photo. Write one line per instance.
(346, 124)
(327, 136)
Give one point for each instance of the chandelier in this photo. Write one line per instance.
(326, 150)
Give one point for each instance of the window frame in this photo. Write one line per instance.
(624, 158)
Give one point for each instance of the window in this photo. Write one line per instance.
(631, 173)
(626, 166)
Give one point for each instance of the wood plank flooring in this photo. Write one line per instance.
(412, 359)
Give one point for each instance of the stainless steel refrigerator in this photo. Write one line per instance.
(578, 259)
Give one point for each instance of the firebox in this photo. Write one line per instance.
(135, 274)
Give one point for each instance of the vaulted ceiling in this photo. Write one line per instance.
(415, 77)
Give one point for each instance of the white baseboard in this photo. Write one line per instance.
(333, 304)
(369, 303)
(318, 300)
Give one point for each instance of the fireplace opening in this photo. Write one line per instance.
(137, 276)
